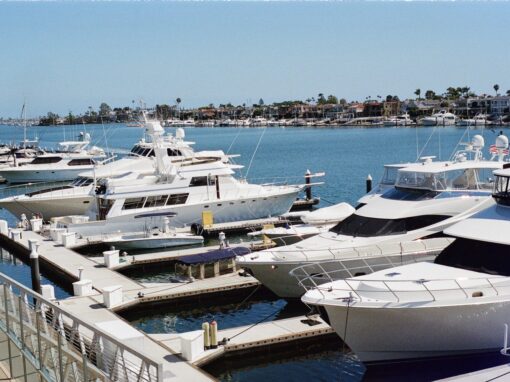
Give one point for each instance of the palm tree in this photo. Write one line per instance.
(178, 100)
(496, 88)
(417, 92)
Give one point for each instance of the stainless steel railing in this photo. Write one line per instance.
(62, 347)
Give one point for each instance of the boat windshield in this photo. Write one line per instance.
(477, 256)
(362, 226)
(501, 191)
(460, 179)
(390, 175)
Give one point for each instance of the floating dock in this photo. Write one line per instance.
(162, 349)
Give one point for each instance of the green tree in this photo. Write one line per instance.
(332, 99)
(417, 92)
(104, 109)
(261, 102)
(496, 88)
(430, 94)
(343, 101)
(320, 99)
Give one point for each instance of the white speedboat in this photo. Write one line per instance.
(457, 305)
(399, 120)
(315, 222)
(427, 198)
(443, 118)
(65, 164)
(153, 239)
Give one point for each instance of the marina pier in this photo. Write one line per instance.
(160, 350)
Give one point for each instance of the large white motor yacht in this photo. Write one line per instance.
(71, 158)
(443, 118)
(427, 198)
(75, 198)
(458, 304)
(183, 188)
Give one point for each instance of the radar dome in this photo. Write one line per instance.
(502, 142)
(179, 133)
(478, 142)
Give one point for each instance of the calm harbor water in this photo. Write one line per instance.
(347, 155)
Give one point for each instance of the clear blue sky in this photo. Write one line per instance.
(67, 56)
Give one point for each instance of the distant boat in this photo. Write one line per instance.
(399, 120)
(477, 120)
(443, 118)
(153, 239)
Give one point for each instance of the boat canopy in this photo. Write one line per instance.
(213, 256)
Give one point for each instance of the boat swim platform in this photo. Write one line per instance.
(241, 339)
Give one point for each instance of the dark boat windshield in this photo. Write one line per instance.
(477, 256)
(356, 225)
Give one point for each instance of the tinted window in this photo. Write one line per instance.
(478, 256)
(45, 160)
(155, 201)
(177, 199)
(356, 225)
(80, 162)
(409, 194)
(197, 181)
(132, 203)
(173, 152)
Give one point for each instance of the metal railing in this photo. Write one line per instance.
(329, 279)
(62, 347)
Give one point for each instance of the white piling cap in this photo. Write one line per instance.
(369, 177)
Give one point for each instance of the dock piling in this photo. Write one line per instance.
(308, 190)
(369, 183)
(34, 266)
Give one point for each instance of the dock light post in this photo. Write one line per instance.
(34, 267)
(308, 189)
(369, 183)
(80, 273)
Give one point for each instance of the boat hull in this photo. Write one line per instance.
(223, 211)
(49, 208)
(386, 334)
(154, 242)
(19, 175)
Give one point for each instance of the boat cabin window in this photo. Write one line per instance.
(356, 225)
(461, 179)
(477, 256)
(142, 151)
(46, 160)
(501, 192)
(177, 199)
(173, 153)
(155, 201)
(409, 194)
(198, 181)
(133, 203)
(82, 182)
(81, 162)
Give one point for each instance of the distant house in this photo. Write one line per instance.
(391, 108)
(373, 109)
(498, 105)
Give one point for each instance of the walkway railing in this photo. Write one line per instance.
(61, 347)
(328, 278)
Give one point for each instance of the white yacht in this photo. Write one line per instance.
(183, 188)
(427, 198)
(459, 304)
(75, 198)
(71, 158)
(443, 118)
(477, 120)
(399, 120)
